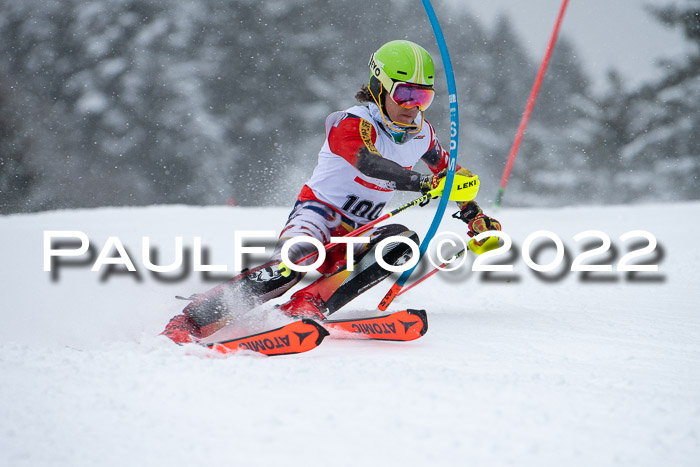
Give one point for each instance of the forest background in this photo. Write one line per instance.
(139, 102)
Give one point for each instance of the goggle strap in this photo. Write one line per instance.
(377, 100)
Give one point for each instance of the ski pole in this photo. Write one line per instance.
(487, 245)
(360, 230)
(465, 189)
(430, 274)
(528, 108)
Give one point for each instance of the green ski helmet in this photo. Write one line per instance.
(405, 71)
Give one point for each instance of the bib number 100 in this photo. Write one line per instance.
(362, 208)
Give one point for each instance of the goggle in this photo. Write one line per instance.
(407, 95)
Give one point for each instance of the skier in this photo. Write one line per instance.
(369, 152)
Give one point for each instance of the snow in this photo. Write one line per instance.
(521, 371)
(92, 101)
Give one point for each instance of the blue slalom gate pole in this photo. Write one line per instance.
(451, 165)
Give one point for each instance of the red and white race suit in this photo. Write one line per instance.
(344, 179)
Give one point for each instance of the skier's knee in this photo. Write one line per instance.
(393, 230)
(398, 252)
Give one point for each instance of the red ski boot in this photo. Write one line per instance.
(182, 330)
(304, 304)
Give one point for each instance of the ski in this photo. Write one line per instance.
(405, 325)
(307, 334)
(297, 337)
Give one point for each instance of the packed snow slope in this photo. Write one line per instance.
(517, 368)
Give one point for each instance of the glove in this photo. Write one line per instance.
(477, 223)
(482, 223)
(431, 182)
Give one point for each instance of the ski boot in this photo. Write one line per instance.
(182, 330)
(304, 304)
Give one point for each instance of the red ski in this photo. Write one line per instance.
(299, 336)
(405, 325)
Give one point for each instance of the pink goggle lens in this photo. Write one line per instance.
(410, 95)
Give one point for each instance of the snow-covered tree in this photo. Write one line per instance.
(136, 102)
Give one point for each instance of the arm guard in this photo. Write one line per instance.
(376, 166)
